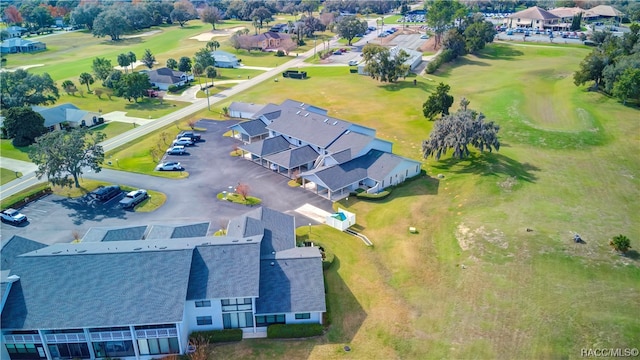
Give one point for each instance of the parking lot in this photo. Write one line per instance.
(211, 170)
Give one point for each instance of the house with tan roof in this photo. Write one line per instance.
(534, 18)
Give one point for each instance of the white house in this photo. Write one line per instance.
(165, 77)
(119, 296)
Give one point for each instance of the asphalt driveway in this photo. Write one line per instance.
(211, 170)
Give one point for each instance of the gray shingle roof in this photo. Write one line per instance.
(60, 113)
(267, 146)
(252, 127)
(225, 271)
(178, 231)
(245, 107)
(98, 234)
(279, 230)
(311, 128)
(351, 140)
(100, 287)
(245, 226)
(15, 246)
(342, 156)
(294, 282)
(294, 157)
(302, 106)
(166, 76)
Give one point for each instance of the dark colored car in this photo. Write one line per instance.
(195, 137)
(106, 193)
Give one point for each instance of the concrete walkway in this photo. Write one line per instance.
(24, 167)
(121, 116)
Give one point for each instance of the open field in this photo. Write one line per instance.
(7, 175)
(473, 283)
(8, 150)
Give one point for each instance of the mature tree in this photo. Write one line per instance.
(235, 41)
(454, 41)
(59, 154)
(12, 14)
(211, 73)
(85, 14)
(478, 34)
(204, 58)
(591, 68)
(148, 59)
(23, 125)
(311, 25)
(349, 26)
(628, 85)
(213, 45)
(4, 35)
(576, 22)
(440, 15)
(20, 88)
(211, 15)
(382, 65)
(41, 17)
(160, 11)
(111, 22)
(262, 14)
(134, 86)
(69, 87)
(459, 130)
(172, 63)
(113, 80)
(86, 79)
(132, 59)
(137, 16)
(620, 243)
(184, 64)
(309, 6)
(101, 68)
(124, 62)
(438, 102)
(183, 11)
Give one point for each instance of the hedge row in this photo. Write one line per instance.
(381, 195)
(444, 57)
(287, 331)
(217, 336)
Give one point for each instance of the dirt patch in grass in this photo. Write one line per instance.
(429, 45)
(468, 238)
(215, 33)
(148, 33)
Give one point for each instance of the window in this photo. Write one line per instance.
(237, 320)
(267, 320)
(204, 320)
(203, 303)
(69, 351)
(241, 304)
(113, 348)
(25, 351)
(158, 346)
(303, 316)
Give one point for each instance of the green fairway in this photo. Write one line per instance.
(473, 282)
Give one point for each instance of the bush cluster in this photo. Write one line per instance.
(444, 57)
(287, 331)
(381, 195)
(217, 336)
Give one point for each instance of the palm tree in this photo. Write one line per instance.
(197, 71)
(213, 45)
(86, 78)
(211, 73)
(123, 61)
(132, 59)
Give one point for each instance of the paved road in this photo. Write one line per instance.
(29, 179)
(211, 170)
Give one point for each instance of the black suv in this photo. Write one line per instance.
(195, 137)
(106, 193)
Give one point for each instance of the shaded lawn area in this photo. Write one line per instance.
(7, 175)
(143, 108)
(8, 150)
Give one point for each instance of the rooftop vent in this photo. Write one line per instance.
(272, 263)
(307, 114)
(82, 251)
(326, 119)
(236, 240)
(137, 249)
(249, 240)
(335, 122)
(162, 247)
(56, 252)
(298, 112)
(301, 104)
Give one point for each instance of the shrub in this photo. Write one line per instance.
(280, 53)
(287, 331)
(218, 336)
(376, 196)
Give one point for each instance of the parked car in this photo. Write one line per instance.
(106, 193)
(195, 137)
(353, 62)
(133, 198)
(169, 166)
(425, 36)
(13, 216)
(184, 141)
(176, 150)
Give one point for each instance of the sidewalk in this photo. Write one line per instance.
(122, 117)
(24, 167)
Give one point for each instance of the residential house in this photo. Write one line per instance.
(244, 110)
(140, 299)
(606, 12)
(223, 59)
(16, 31)
(18, 45)
(269, 41)
(59, 116)
(533, 18)
(332, 156)
(164, 77)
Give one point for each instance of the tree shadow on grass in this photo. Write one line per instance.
(122, 42)
(632, 254)
(499, 52)
(406, 84)
(489, 164)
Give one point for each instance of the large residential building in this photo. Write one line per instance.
(332, 156)
(114, 295)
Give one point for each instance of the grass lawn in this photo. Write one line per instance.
(112, 128)
(9, 151)
(473, 283)
(144, 108)
(7, 175)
